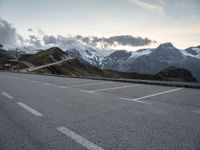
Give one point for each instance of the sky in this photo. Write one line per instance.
(176, 21)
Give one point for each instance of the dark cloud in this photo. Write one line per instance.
(8, 35)
(63, 42)
(130, 40)
(114, 41)
(50, 39)
(30, 30)
(40, 31)
(122, 40)
(34, 41)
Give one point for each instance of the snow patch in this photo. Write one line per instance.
(139, 53)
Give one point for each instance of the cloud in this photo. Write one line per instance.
(157, 6)
(34, 41)
(65, 43)
(180, 4)
(114, 41)
(8, 35)
(50, 39)
(30, 30)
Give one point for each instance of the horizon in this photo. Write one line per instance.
(102, 24)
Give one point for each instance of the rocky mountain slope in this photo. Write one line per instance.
(144, 61)
(77, 67)
(45, 56)
(151, 61)
(174, 73)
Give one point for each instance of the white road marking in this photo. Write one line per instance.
(25, 79)
(33, 81)
(6, 95)
(106, 89)
(17, 78)
(82, 141)
(88, 84)
(46, 83)
(196, 111)
(152, 95)
(29, 109)
(74, 81)
(63, 87)
(133, 100)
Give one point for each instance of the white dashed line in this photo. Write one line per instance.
(132, 100)
(152, 95)
(29, 109)
(82, 141)
(196, 111)
(107, 89)
(6, 95)
(25, 79)
(62, 87)
(33, 81)
(46, 83)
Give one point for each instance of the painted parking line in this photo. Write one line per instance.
(133, 100)
(29, 109)
(46, 83)
(75, 81)
(107, 89)
(152, 95)
(6, 95)
(196, 111)
(62, 87)
(88, 84)
(82, 141)
(33, 81)
(25, 79)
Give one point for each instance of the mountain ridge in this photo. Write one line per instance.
(144, 61)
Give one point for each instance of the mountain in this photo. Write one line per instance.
(174, 73)
(5, 54)
(151, 61)
(44, 56)
(88, 54)
(143, 61)
(7, 60)
(80, 67)
(75, 67)
(116, 59)
(192, 52)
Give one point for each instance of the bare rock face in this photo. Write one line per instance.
(177, 74)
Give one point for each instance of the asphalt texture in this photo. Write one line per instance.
(60, 113)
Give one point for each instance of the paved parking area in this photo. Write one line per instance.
(48, 112)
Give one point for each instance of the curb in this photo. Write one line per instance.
(150, 82)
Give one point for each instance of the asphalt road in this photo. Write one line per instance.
(59, 113)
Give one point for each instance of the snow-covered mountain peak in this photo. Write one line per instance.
(167, 46)
(141, 52)
(192, 52)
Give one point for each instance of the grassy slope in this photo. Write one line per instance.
(42, 57)
(6, 61)
(76, 68)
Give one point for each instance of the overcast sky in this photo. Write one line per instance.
(176, 21)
